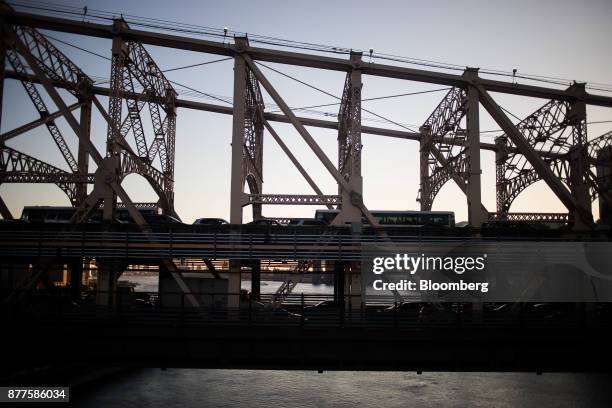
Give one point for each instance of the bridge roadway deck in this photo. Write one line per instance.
(58, 334)
(21, 240)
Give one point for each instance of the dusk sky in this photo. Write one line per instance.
(564, 39)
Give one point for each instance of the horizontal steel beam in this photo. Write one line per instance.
(39, 177)
(140, 205)
(290, 58)
(35, 123)
(294, 199)
(558, 218)
(274, 117)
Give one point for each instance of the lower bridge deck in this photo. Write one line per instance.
(567, 338)
(25, 241)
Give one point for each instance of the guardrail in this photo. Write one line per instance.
(222, 243)
(142, 309)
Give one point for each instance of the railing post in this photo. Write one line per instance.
(182, 309)
(395, 314)
(302, 310)
(250, 308)
(119, 300)
(212, 305)
(59, 306)
(459, 314)
(171, 243)
(341, 311)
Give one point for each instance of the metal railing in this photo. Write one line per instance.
(298, 310)
(220, 243)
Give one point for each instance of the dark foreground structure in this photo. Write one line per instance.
(53, 328)
(565, 337)
(46, 328)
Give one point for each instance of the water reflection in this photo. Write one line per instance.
(305, 389)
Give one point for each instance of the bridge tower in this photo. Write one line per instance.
(556, 133)
(246, 159)
(450, 149)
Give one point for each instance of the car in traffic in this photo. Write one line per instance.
(268, 222)
(161, 219)
(306, 222)
(210, 221)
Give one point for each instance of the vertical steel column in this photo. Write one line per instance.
(349, 166)
(115, 102)
(4, 211)
(2, 67)
(339, 283)
(578, 163)
(424, 162)
(476, 215)
(106, 283)
(501, 192)
(349, 145)
(356, 180)
(604, 173)
(83, 155)
(237, 175)
(255, 279)
(170, 108)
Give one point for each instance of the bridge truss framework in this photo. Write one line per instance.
(550, 144)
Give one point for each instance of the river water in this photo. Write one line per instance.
(304, 389)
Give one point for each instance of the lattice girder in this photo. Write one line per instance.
(600, 158)
(41, 108)
(443, 149)
(19, 167)
(134, 72)
(349, 135)
(554, 130)
(253, 130)
(52, 61)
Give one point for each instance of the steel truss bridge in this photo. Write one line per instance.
(550, 144)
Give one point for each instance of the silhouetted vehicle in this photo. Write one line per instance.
(52, 215)
(404, 307)
(265, 222)
(436, 311)
(552, 311)
(8, 222)
(298, 222)
(500, 308)
(210, 221)
(400, 218)
(63, 215)
(322, 309)
(267, 311)
(161, 219)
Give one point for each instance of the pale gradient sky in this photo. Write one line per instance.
(566, 39)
